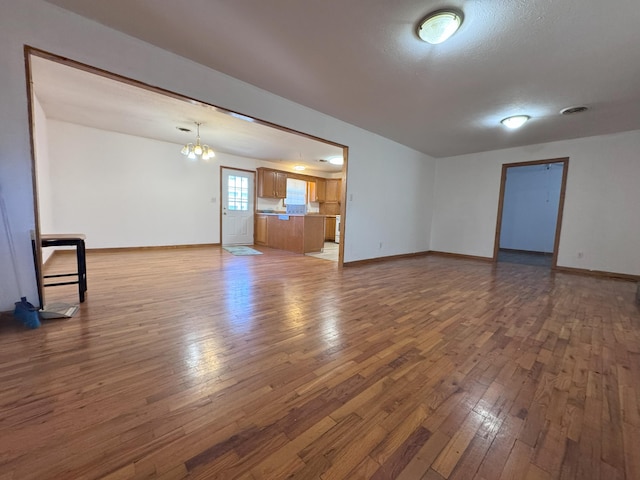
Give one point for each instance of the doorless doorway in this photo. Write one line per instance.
(530, 212)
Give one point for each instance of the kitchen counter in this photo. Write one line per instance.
(295, 214)
(292, 232)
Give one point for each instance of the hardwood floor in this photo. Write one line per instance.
(196, 363)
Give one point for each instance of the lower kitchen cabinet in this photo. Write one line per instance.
(295, 233)
(260, 236)
(330, 229)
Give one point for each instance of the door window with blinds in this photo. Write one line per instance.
(238, 193)
(296, 192)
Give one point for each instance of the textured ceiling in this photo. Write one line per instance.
(361, 61)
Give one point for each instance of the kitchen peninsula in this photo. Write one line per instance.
(298, 230)
(295, 233)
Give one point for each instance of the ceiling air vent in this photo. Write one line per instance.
(572, 110)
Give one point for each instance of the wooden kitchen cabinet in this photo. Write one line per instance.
(261, 234)
(271, 183)
(295, 233)
(321, 189)
(312, 191)
(333, 190)
(330, 229)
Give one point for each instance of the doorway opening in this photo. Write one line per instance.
(185, 192)
(530, 212)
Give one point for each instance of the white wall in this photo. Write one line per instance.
(600, 211)
(135, 191)
(530, 209)
(126, 191)
(378, 167)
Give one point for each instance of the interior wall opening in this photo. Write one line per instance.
(83, 153)
(530, 212)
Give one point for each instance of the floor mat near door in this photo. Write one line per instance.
(242, 250)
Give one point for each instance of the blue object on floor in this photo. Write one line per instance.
(27, 313)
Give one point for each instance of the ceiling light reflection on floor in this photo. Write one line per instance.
(202, 358)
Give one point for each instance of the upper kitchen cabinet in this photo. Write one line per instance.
(312, 190)
(271, 183)
(333, 190)
(321, 189)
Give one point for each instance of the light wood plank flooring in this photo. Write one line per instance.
(196, 363)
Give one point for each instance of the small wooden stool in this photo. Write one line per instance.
(68, 240)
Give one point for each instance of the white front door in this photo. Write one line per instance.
(237, 207)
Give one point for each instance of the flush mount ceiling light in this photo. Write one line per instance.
(299, 168)
(336, 160)
(515, 122)
(192, 151)
(440, 25)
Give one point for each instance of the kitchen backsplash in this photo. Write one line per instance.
(277, 205)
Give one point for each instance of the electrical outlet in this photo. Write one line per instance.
(580, 254)
(380, 246)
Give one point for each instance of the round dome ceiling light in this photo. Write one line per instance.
(336, 160)
(515, 122)
(572, 110)
(440, 25)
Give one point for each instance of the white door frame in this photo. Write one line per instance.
(252, 202)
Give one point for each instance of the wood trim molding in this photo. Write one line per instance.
(563, 193)
(597, 273)
(460, 256)
(229, 167)
(563, 189)
(537, 162)
(343, 206)
(385, 259)
(152, 247)
(137, 83)
(496, 240)
(34, 177)
(530, 252)
(33, 51)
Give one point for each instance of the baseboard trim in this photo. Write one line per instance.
(384, 259)
(597, 273)
(530, 252)
(153, 247)
(460, 256)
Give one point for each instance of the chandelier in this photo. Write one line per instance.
(192, 151)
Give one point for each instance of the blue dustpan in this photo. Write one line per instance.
(27, 313)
